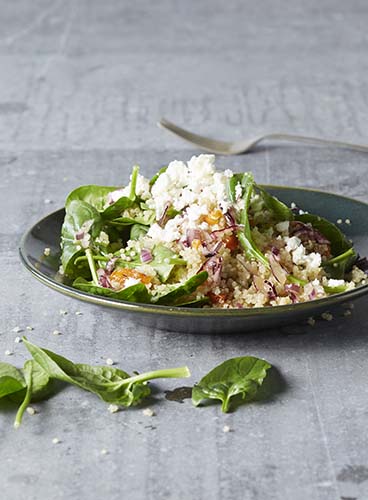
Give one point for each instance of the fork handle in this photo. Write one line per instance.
(314, 140)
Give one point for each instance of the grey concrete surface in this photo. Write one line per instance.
(82, 85)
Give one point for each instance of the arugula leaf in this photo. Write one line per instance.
(343, 253)
(134, 293)
(110, 384)
(77, 214)
(245, 236)
(280, 211)
(237, 376)
(11, 380)
(174, 296)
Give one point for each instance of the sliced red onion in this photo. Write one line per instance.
(292, 287)
(313, 294)
(193, 234)
(103, 278)
(275, 251)
(220, 232)
(230, 217)
(111, 265)
(214, 267)
(278, 272)
(270, 290)
(146, 255)
(215, 249)
(162, 220)
(300, 229)
(79, 235)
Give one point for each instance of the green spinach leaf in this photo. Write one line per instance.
(174, 297)
(11, 380)
(134, 293)
(237, 376)
(279, 210)
(110, 384)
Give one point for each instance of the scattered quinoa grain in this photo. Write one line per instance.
(47, 201)
(109, 361)
(104, 451)
(339, 221)
(8, 353)
(47, 251)
(29, 328)
(56, 332)
(347, 312)
(30, 410)
(56, 440)
(78, 313)
(226, 428)
(327, 316)
(17, 340)
(147, 412)
(113, 408)
(17, 329)
(311, 321)
(347, 221)
(62, 312)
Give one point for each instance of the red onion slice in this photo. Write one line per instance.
(146, 255)
(278, 272)
(103, 278)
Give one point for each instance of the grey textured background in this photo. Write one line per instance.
(82, 85)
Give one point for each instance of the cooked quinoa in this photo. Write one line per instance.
(249, 249)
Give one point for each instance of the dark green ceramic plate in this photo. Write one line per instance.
(46, 233)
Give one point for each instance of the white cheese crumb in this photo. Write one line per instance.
(62, 312)
(147, 412)
(56, 332)
(30, 410)
(282, 227)
(56, 440)
(292, 205)
(339, 221)
(228, 173)
(327, 316)
(347, 221)
(311, 321)
(17, 329)
(292, 243)
(333, 283)
(113, 408)
(226, 428)
(29, 328)
(47, 251)
(17, 340)
(8, 353)
(109, 361)
(104, 451)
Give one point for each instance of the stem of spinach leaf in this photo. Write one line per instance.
(133, 182)
(181, 372)
(92, 266)
(27, 398)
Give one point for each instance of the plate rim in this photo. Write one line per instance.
(187, 311)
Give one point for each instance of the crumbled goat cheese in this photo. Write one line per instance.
(130, 282)
(334, 283)
(292, 243)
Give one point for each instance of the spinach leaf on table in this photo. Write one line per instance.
(11, 380)
(237, 376)
(278, 209)
(111, 384)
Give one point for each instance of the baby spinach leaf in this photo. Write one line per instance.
(137, 231)
(245, 236)
(279, 210)
(156, 176)
(174, 297)
(237, 376)
(164, 261)
(337, 267)
(134, 293)
(91, 194)
(11, 380)
(77, 214)
(110, 384)
(115, 210)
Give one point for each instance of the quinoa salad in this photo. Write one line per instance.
(195, 236)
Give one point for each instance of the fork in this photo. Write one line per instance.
(238, 147)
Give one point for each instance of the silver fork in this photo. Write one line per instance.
(238, 147)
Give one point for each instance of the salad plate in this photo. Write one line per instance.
(352, 216)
